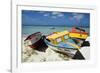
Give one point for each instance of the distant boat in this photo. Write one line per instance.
(52, 27)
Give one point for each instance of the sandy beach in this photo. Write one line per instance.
(31, 55)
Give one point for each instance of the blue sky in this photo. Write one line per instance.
(30, 17)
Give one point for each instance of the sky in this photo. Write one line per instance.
(51, 18)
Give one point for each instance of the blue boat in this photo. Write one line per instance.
(63, 48)
(63, 43)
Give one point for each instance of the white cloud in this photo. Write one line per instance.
(41, 11)
(46, 14)
(55, 13)
(58, 14)
(54, 17)
(78, 16)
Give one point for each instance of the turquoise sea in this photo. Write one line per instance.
(27, 30)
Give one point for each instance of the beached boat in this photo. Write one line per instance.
(67, 41)
(77, 32)
(37, 41)
(64, 38)
(34, 38)
(62, 42)
(69, 51)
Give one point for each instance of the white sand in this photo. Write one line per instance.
(31, 55)
(86, 50)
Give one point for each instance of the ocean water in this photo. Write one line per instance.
(27, 30)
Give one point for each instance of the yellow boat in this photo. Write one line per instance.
(67, 42)
(78, 33)
(58, 37)
(62, 39)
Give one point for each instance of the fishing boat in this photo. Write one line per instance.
(52, 27)
(77, 32)
(37, 41)
(62, 49)
(62, 42)
(68, 42)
